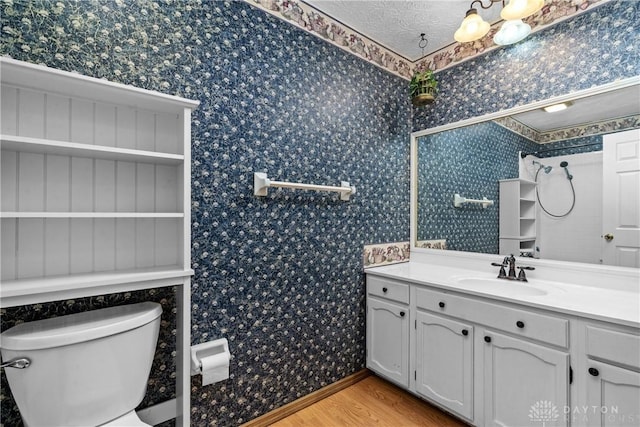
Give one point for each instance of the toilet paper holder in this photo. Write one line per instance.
(214, 356)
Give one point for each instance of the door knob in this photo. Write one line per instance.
(608, 237)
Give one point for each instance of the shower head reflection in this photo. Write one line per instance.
(546, 169)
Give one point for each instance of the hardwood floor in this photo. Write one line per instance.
(370, 402)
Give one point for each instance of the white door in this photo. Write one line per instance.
(388, 340)
(525, 384)
(444, 362)
(621, 199)
(613, 397)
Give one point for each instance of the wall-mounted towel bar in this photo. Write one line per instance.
(261, 183)
(458, 201)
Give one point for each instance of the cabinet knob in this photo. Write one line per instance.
(441, 304)
(402, 314)
(487, 339)
(594, 372)
(384, 290)
(465, 332)
(520, 324)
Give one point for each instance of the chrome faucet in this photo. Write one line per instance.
(510, 261)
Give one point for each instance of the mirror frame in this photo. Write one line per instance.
(628, 82)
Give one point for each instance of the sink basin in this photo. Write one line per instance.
(500, 286)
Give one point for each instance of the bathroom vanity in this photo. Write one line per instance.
(502, 352)
(561, 349)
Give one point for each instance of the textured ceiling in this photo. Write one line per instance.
(615, 104)
(397, 24)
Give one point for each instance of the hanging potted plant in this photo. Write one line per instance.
(423, 88)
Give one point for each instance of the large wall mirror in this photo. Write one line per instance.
(561, 185)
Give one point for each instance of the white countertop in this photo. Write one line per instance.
(598, 303)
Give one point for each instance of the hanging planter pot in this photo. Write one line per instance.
(423, 88)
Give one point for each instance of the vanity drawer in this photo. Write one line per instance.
(538, 326)
(389, 289)
(613, 346)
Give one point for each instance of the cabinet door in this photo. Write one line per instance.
(525, 384)
(388, 340)
(444, 362)
(613, 397)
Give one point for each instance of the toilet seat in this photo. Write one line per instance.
(130, 419)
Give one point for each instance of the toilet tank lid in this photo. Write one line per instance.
(79, 327)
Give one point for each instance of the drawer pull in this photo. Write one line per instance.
(465, 332)
(402, 314)
(594, 372)
(384, 290)
(487, 339)
(520, 324)
(441, 304)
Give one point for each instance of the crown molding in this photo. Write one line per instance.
(328, 29)
(321, 25)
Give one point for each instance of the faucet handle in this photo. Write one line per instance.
(522, 277)
(502, 273)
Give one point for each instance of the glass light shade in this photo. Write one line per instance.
(512, 32)
(473, 27)
(520, 9)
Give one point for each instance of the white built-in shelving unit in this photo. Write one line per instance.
(95, 192)
(517, 216)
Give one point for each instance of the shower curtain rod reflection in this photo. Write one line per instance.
(523, 154)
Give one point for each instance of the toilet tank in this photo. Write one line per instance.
(86, 369)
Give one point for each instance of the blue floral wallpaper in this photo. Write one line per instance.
(468, 161)
(280, 277)
(597, 47)
(585, 144)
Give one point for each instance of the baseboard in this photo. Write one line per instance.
(159, 413)
(299, 404)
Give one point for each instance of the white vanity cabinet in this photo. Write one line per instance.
(519, 357)
(524, 383)
(490, 363)
(610, 371)
(388, 329)
(444, 362)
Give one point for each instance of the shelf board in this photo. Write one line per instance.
(91, 215)
(41, 289)
(63, 148)
(521, 238)
(38, 77)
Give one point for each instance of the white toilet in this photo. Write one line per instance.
(86, 369)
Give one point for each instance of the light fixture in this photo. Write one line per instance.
(473, 27)
(520, 9)
(557, 107)
(512, 32)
